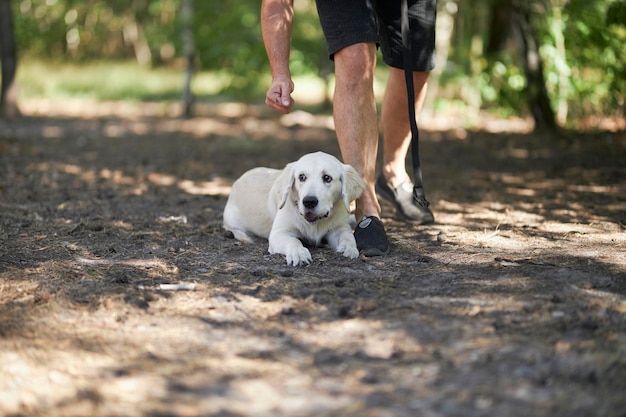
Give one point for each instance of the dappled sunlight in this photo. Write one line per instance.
(117, 176)
(93, 119)
(52, 131)
(458, 121)
(598, 189)
(101, 353)
(116, 274)
(138, 184)
(527, 230)
(473, 306)
(521, 192)
(301, 118)
(229, 119)
(531, 183)
(218, 186)
(369, 337)
(162, 179)
(159, 264)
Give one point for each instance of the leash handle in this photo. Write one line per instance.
(419, 195)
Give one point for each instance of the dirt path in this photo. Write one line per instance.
(513, 304)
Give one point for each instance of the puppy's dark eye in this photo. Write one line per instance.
(301, 177)
(327, 178)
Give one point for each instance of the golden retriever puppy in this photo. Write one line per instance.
(307, 201)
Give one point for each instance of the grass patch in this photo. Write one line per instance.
(128, 81)
(111, 81)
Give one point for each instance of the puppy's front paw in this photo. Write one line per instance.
(298, 256)
(348, 249)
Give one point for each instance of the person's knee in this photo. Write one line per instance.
(354, 66)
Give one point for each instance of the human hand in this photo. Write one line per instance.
(278, 96)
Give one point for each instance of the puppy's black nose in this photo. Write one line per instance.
(309, 202)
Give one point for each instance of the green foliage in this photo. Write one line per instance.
(234, 42)
(109, 80)
(595, 38)
(81, 30)
(590, 75)
(502, 85)
(227, 35)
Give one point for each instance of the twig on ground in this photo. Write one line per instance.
(171, 287)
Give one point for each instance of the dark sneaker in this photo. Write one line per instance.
(408, 200)
(371, 239)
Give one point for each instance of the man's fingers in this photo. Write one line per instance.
(286, 100)
(276, 104)
(283, 96)
(279, 97)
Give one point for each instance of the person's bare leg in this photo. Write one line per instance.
(356, 121)
(395, 126)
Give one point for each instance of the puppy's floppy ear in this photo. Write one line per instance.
(284, 184)
(351, 185)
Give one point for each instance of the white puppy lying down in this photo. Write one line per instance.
(308, 200)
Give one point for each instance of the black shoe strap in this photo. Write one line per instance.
(419, 197)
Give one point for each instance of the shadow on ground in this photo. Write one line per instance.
(513, 303)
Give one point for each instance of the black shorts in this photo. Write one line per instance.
(347, 22)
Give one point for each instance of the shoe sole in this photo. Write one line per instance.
(371, 252)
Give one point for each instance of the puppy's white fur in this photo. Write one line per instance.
(308, 200)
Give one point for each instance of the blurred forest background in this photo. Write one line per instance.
(560, 62)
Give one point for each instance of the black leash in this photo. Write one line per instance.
(419, 196)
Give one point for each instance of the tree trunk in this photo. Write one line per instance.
(536, 92)
(499, 27)
(561, 57)
(8, 56)
(189, 51)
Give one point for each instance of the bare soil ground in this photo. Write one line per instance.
(512, 304)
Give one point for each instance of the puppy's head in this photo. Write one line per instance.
(318, 182)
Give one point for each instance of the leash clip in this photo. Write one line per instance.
(419, 197)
